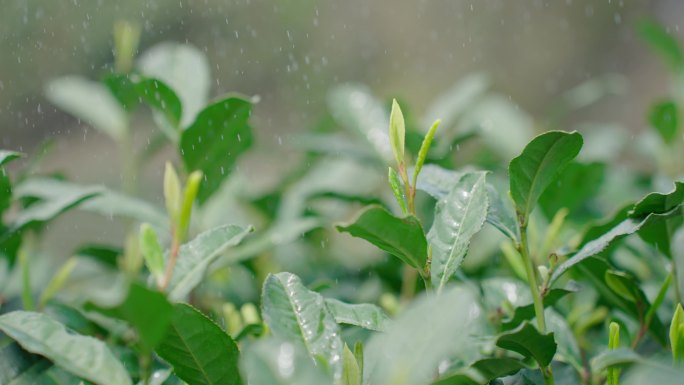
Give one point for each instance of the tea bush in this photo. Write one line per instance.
(488, 255)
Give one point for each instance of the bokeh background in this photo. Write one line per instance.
(292, 53)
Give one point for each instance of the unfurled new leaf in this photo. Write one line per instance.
(397, 134)
(398, 192)
(402, 237)
(539, 164)
(151, 251)
(424, 148)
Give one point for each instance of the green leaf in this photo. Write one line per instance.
(662, 42)
(483, 371)
(500, 214)
(89, 101)
(676, 340)
(123, 89)
(14, 362)
(184, 69)
(437, 181)
(402, 237)
(83, 356)
(664, 118)
(614, 358)
(659, 203)
(364, 315)
(527, 341)
(107, 202)
(277, 362)
(200, 352)
(52, 206)
(653, 372)
(351, 373)
(195, 256)
(146, 310)
(596, 246)
(539, 164)
(625, 286)
(7, 156)
(355, 108)
(297, 314)
(215, 140)
(151, 251)
(397, 133)
(431, 328)
(574, 188)
(424, 149)
(162, 98)
(457, 218)
(526, 312)
(395, 185)
(172, 192)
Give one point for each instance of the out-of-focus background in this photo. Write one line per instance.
(291, 54)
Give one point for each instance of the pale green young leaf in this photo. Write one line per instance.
(397, 129)
(398, 192)
(675, 338)
(7, 156)
(457, 218)
(57, 281)
(351, 373)
(424, 148)
(192, 186)
(297, 314)
(83, 356)
(539, 164)
(151, 251)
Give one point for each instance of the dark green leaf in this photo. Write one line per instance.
(123, 89)
(625, 286)
(364, 315)
(200, 352)
(457, 218)
(83, 356)
(162, 98)
(146, 310)
(659, 203)
(662, 42)
(402, 237)
(574, 188)
(297, 314)
(102, 253)
(540, 163)
(626, 227)
(7, 156)
(195, 256)
(526, 312)
(527, 341)
(215, 140)
(664, 118)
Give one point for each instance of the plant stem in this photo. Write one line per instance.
(675, 281)
(173, 255)
(532, 279)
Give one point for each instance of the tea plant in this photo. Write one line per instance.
(533, 267)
